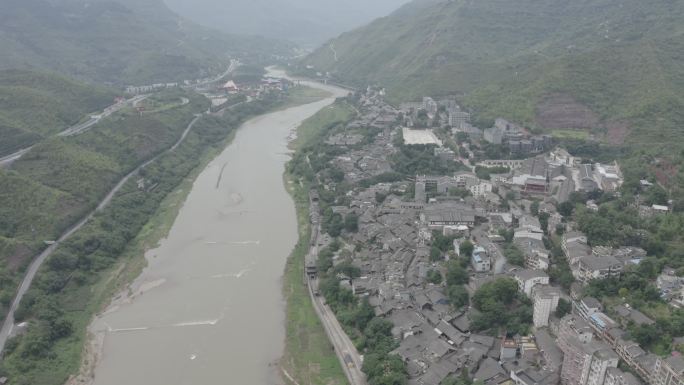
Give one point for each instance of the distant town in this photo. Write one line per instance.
(436, 253)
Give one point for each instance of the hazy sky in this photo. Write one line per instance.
(308, 22)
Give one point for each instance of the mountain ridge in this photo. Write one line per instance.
(115, 41)
(617, 59)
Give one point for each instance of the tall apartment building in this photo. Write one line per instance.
(430, 105)
(669, 371)
(545, 300)
(615, 376)
(458, 118)
(586, 363)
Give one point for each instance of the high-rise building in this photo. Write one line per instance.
(669, 371)
(458, 118)
(615, 376)
(545, 299)
(586, 363)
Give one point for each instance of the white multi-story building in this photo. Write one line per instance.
(527, 279)
(480, 260)
(481, 189)
(586, 363)
(591, 267)
(545, 301)
(458, 118)
(601, 360)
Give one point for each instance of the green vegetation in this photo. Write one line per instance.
(514, 255)
(502, 306)
(559, 272)
(34, 105)
(618, 222)
(74, 282)
(570, 134)
(564, 307)
(486, 172)
(456, 278)
(309, 357)
(542, 57)
(372, 335)
(61, 179)
(434, 277)
(420, 160)
(635, 288)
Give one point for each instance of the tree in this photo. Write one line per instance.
(507, 235)
(364, 314)
(347, 269)
(458, 296)
(514, 255)
(384, 369)
(456, 274)
(564, 307)
(466, 248)
(435, 254)
(534, 208)
(566, 208)
(351, 223)
(434, 277)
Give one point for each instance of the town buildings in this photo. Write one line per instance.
(413, 226)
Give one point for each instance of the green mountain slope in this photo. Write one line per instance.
(34, 105)
(63, 178)
(116, 41)
(619, 63)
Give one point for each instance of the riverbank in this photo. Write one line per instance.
(117, 290)
(108, 254)
(309, 357)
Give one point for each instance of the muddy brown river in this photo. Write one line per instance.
(210, 308)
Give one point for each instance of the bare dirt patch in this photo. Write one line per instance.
(665, 172)
(560, 111)
(19, 257)
(617, 132)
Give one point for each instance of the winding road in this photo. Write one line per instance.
(8, 324)
(77, 128)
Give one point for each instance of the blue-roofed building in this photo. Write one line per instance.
(480, 260)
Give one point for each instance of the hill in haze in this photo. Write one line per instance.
(307, 22)
(617, 63)
(115, 41)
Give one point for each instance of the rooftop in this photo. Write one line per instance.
(526, 274)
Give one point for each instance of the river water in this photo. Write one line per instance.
(210, 308)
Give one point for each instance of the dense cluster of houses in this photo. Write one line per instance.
(392, 250)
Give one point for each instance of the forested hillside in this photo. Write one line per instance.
(34, 105)
(615, 63)
(61, 179)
